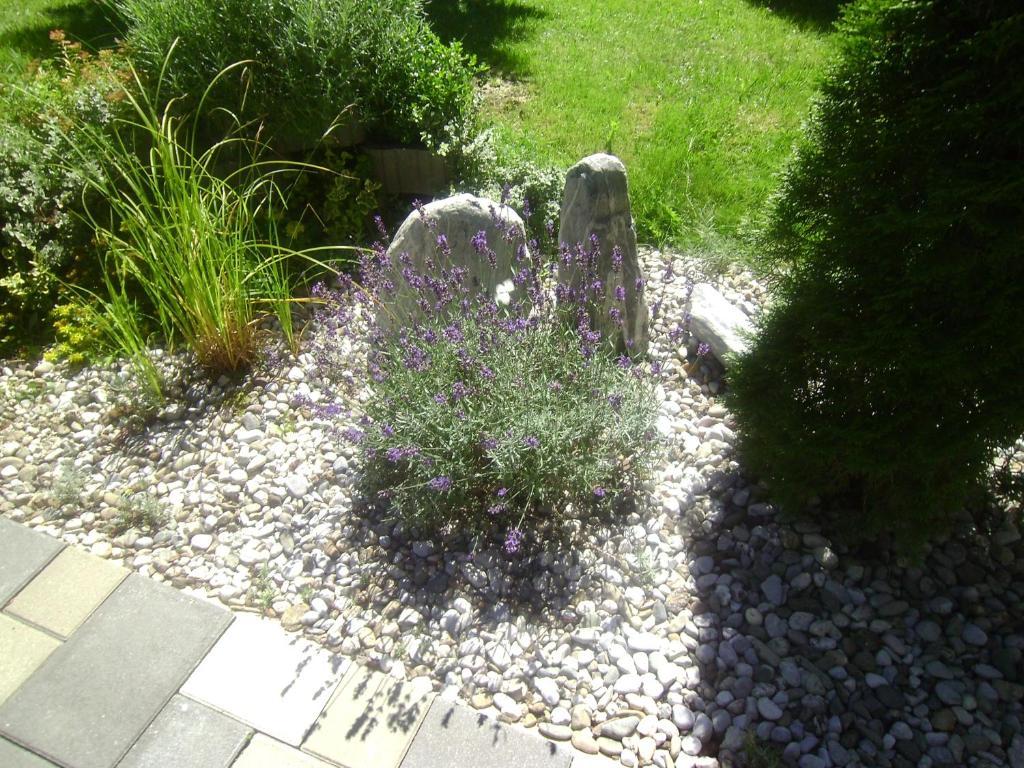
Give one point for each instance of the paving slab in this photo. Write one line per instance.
(265, 752)
(454, 736)
(187, 734)
(276, 682)
(23, 553)
(66, 591)
(13, 756)
(22, 650)
(371, 721)
(96, 693)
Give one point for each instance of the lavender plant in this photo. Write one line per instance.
(504, 415)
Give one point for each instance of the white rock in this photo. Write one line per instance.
(720, 324)
(548, 690)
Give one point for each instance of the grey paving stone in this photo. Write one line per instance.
(23, 553)
(187, 734)
(13, 756)
(266, 677)
(96, 694)
(453, 736)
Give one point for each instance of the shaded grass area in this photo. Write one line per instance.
(25, 27)
(702, 100)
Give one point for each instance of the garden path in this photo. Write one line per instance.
(101, 667)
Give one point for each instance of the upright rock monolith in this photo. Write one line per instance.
(596, 204)
(446, 234)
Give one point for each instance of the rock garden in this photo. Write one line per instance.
(663, 507)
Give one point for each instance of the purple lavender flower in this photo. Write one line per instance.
(387, 430)
(616, 259)
(620, 293)
(459, 390)
(453, 334)
(394, 455)
(599, 492)
(531, 442)
(703, 349)
(440, 483)
(501, 492)
(489, 443)
(479, 242)
(441, 398)
(352, 434)
(495, 509)
(513, 541)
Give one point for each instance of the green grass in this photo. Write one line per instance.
(702, 99)
(25, 26)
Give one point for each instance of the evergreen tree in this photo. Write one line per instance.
(892, 365)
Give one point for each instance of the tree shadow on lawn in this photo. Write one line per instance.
(87, 22)
(486, 29)
(817, 15)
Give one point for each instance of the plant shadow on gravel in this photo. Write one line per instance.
(540, 581)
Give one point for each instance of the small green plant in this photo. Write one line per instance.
(141, 511)
(27, 389)
(644, 567)
(68, 484)
(262, 589)
(760, 755)
(307, 593)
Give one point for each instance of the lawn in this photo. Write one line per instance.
(25, 27)
(702, 99)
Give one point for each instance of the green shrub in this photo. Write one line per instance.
(890, 369)
(311, 61)
(485, 164)
(488, 419)
(43, 239)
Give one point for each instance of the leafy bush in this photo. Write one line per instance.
(890, 369)
(487, 417)
(42, 237)
(486, 165)
(311, 60)
(196, 246)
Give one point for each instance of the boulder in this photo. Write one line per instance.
(443, 235)
(721, 325)
(596, 204)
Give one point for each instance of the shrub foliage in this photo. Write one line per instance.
(891, 367)
(311, 61)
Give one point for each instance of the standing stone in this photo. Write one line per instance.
(443, 235)
(596, 204)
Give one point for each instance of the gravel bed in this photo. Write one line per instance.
(668, 637)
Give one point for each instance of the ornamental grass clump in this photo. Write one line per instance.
(497, 415)
(195, 247)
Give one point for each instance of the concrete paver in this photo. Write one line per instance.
(23, 553)
(454, 736)
(22, 650)
(96, 693)
(67, 590)
(13, 756)
(187, 734)
(371, 720)
(274, 681)
(264, 752)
